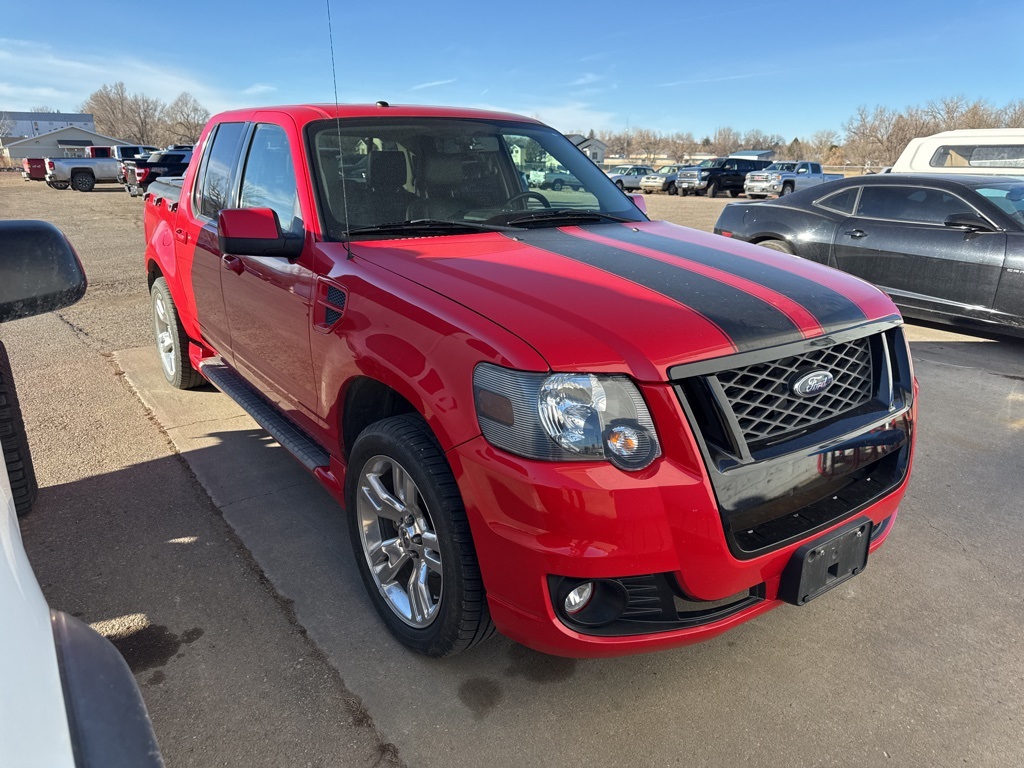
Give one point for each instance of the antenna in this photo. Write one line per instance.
(337, 120)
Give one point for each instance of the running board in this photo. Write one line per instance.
(293, 439)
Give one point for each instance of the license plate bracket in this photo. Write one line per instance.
(825, 563)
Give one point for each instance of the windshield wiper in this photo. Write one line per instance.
(429, 226)
(555, 216)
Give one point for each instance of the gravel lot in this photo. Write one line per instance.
(254, 646)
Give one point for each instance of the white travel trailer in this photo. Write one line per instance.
(998, 151)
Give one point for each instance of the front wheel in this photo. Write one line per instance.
(556, 185)
(171, 339)
(734, 193)
(620, 185)
(411, 539)
(14, 442)
(683, 192)
(787, 189)
(712, 190)
(672, 189)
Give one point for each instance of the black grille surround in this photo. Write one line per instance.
(822, 458)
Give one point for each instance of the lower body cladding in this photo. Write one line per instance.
(588, 561)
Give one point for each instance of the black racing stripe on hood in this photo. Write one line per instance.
(829, 307)
(749, 322)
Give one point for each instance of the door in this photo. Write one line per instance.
(268, 298)
(196, 233)
(897, 240)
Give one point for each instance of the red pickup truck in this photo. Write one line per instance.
(542, 412)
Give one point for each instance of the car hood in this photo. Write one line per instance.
(637, 298)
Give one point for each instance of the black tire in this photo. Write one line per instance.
(777, 245)
(787, 189)
(557, 185)
(712, 190)
(14, 441)
(82, 181)
(460, 618)
(171, 339)
(672, 189)
(620, 185)
(57, 184)
(734, 193)
(683, 192)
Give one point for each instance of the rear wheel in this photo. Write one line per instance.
(712, 190)
(14, 441)
(171, 339)
(777, 245)
(411, 539)
(557, 185)
(83, 182)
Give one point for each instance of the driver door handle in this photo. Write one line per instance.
(234, 264)
(856, 233)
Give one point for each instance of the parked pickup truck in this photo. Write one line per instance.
(597, 433)
(142, 172)
(785, 177)
(80, 173)
(716, 175)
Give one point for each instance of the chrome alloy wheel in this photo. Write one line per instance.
(164, 334)
(399, 541)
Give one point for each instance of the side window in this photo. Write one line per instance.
(840, 202)
(268, 180)
(214, 183)
(913, 204)
(730, 166)
(815, 168)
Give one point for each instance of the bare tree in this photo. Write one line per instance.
(145, 118)
(1012, 115)
(620, 143)
(6, 124)
(43, 109)
(110, 107)
(726, 140)
(821, 144)
(680, 145)
(649, 143)
(184, 119)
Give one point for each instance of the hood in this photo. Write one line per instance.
(636, 298)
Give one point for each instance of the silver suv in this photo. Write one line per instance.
(629, 176)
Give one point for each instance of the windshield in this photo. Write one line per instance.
(715, 162)
(1007, 197)
(787, 167)
(374, 175)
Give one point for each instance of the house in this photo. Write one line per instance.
(595, 149)
(69, 141)
(755, 154)
(23, 124)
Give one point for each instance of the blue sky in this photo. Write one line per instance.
(790, 67)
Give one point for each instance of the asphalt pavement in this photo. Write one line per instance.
(171, 522)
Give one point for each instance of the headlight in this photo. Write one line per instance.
(774, 177)
(565, 416)
(705, 174)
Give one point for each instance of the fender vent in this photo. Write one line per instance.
(330, 306)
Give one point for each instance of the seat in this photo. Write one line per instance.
(438, 184)
(387, 174)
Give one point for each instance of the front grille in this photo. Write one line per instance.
(761, 397)
(758, 177)
(688, 175)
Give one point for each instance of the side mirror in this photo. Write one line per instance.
(801, 170)
(968, 222)
(255, 232)
(39, 270)
(639, 202)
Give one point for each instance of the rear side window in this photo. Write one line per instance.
(269, 177)
(840, 202)
(978, 156)
(914, 204)
(213, 187)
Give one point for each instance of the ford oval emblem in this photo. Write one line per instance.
(812, 383)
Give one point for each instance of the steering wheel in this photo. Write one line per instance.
(523, 196)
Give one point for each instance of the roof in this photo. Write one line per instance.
(105, 139)
(71, 117)
(306, 112)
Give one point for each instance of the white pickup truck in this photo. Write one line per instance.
(81, 173)
(784, 177)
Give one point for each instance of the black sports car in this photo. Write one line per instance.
(945, 248)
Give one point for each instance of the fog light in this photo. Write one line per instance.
(579, 598)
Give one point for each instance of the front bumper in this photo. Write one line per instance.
(537, 522)
(691, 183)
(767, 188)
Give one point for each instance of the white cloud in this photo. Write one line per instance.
(258, 88)
(588, 79)
(431, 84)
(563, 116)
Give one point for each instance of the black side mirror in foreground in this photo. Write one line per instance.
(39, 270)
